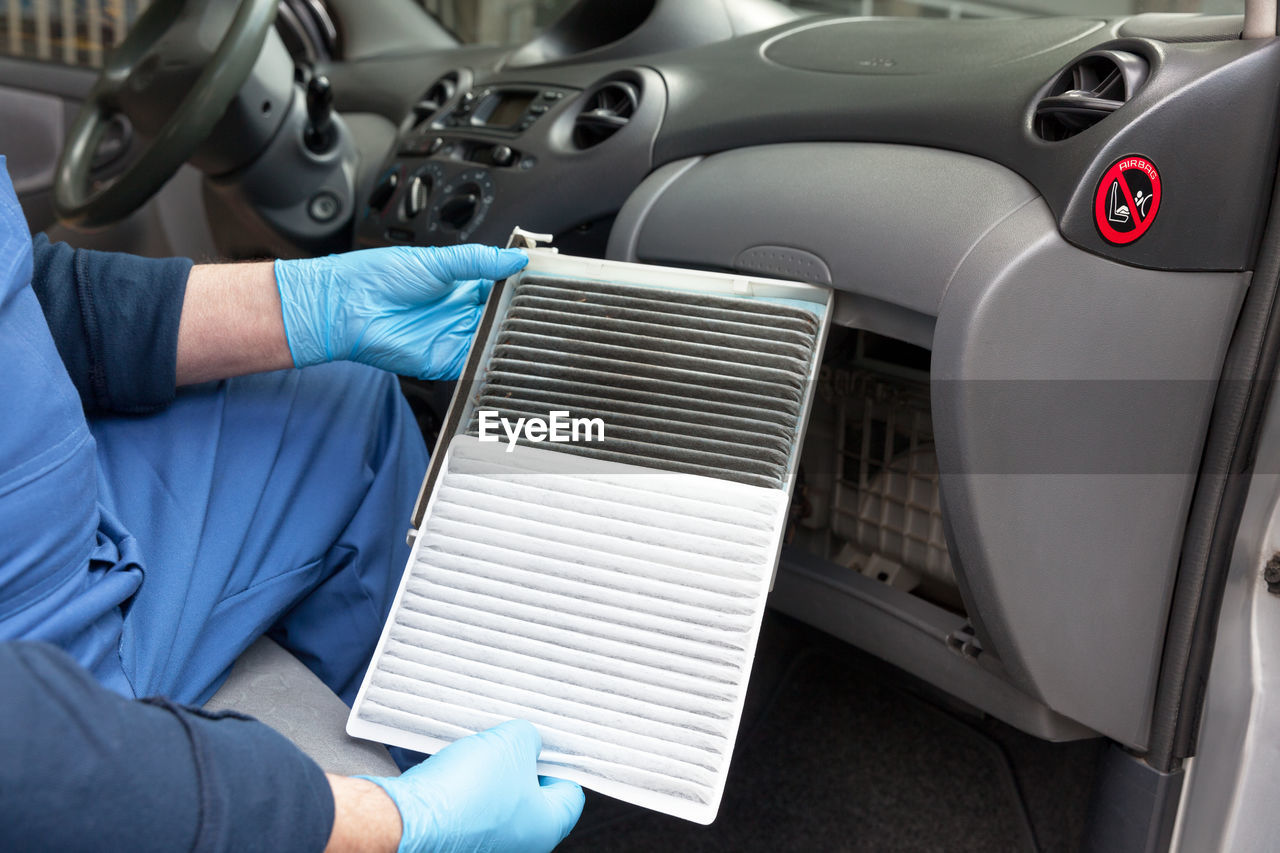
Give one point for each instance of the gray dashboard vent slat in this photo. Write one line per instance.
(770, 363)
(608, 110)
(1091, 88)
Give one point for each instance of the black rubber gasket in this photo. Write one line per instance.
(1226, 470)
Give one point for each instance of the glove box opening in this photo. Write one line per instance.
(866, 557)
(867, 495)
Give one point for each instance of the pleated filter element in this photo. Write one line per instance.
(609, 591)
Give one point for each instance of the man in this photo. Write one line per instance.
(152, 543)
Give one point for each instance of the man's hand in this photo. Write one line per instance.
(481, 793)
(405, 309)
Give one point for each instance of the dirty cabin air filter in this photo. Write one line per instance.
(608, 589)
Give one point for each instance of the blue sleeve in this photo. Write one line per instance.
(114, 318)
(82, 768)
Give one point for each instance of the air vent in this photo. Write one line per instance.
(607, 111)
(1087, 91)
(440, 93)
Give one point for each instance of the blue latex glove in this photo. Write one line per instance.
(406, 309)
(483, 793)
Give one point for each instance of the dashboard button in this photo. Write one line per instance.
(503, 155)
(421, 189)
(458, 211)
(538, 109)
(324, 206)
(415, 199)
(413, 145)
(461, 204)
(436, 145)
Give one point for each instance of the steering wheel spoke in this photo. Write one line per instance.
(109, 84)
(84, 198)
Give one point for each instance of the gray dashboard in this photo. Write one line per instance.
(1203, 116)
(1071, 394)
(898, 161)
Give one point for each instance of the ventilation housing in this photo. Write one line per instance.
(608, 591)
(1087, 91)
(607, 110)
(432, 100)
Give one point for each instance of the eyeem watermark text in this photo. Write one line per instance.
(557, 427)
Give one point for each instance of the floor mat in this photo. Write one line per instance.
(835, 756)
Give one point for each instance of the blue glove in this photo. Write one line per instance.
(405, 309)
(483, 793)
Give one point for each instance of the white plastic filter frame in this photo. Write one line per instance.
(771, 507)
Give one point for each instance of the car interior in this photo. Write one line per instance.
(993, 617)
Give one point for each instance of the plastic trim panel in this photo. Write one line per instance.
(1071, 399)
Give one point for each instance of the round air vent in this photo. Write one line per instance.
(1087, 91)
(440, 93)
(608, 109)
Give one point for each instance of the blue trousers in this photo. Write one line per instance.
(274, 503)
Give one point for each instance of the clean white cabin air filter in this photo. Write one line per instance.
(608, 588)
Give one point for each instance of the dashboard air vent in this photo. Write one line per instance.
(608, 109)
(435, 97)
(1087, 91)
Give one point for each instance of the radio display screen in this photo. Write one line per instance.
(510, 109)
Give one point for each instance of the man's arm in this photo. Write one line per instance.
(231, 323)
(365, 820)
(81, 767)
(130, 330)
(405, 309)
(114, 319)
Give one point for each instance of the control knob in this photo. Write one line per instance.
(384, 190)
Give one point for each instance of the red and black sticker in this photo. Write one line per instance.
(1127, 200)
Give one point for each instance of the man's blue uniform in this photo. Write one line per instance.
(153, 548)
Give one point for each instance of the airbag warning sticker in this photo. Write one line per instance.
(1127, 200)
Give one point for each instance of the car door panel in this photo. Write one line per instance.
(39, 100)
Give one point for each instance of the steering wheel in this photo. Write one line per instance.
(149, 78)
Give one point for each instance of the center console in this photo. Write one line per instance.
(473, 159)
(441, 185)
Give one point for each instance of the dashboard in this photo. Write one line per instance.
(944, 177)
(559, 146)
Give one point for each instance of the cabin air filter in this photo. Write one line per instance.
(600, 525)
